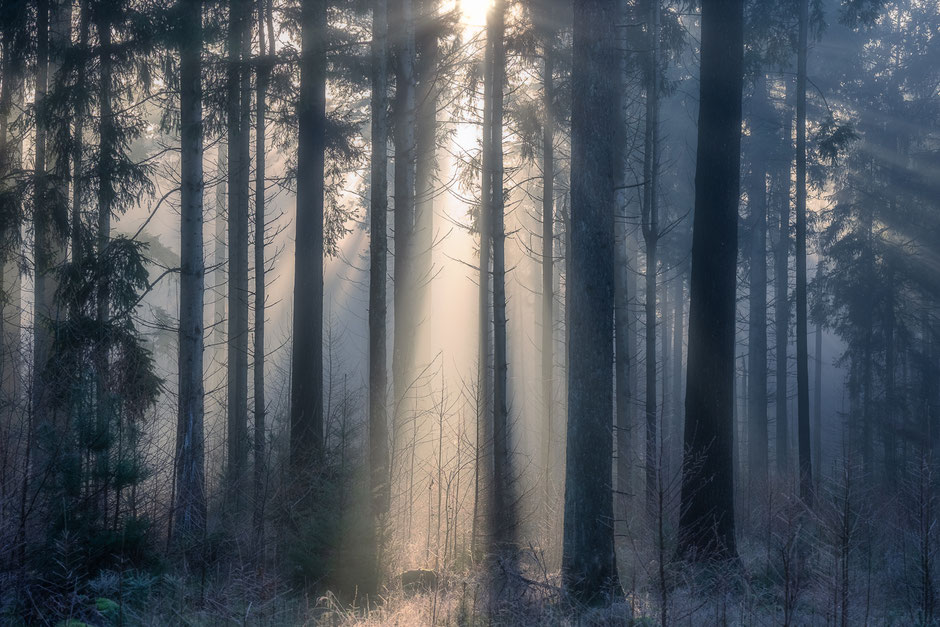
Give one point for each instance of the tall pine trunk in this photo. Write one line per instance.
(548, 259)
(190, 506)
(503, 522)
(266, 52)
(651, 237)
(306, 438)
(706, 521)
(378, 271)
(427, 94)
(802, 351)
(757, 295)
(782, 299)
(588, 561)
(405, 162)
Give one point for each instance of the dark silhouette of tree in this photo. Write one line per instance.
(706, 522)
(588, 561)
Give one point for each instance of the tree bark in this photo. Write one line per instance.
(802, 352)
(190, 507)
(757, 295)
(548, 260)
(238, 122)
(651, 238)
(588, 561)
(306, 441)
(706, 522)
(378, 271)
(503, 523)
(782, 302)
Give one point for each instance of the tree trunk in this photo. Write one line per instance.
(817, 407)
(484, 427)
(503, 523)
(651, 237)
(403, 39)
(782, 302)
(548, 260)
(238, 121)
(265, 62)
(706, 523)
(588, 561)
(11, 161)
(802, 352)
(757, 292)
(427, 90)
(50, 213)
(378, 271)
(306, 441)
(190, 507)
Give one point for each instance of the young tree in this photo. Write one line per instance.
(588, 562)
(190, 507)
(706, 521)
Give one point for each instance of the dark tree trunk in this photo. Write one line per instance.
(238, 121)
(405, 110)
(190, 507)
(588, 560)
(503, 522)
(782, 302)
(13, 33)
(817, 407)
(265, 60)
(706, 522)
(548, 260)
(427, 94)
(762, 135)
(104, 171)
(802, 351)
(307, 363)
(484, 424)
(50, 213)
(651, 237)
(378, 271)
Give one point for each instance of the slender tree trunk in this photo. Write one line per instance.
(817, 407)
(484, 428)
(427, 95)
(548, 259)
(502, 502)
(589, 568)
(190, 506)
(706, 522)
(782, 303)
(802, 352)
(403, 39)
(623, 292)
(378, 271)
(265, 60)
(11, 157)
(307, 364)
(106, 159)
(677, 341)
(239, 120)
(757, 296)
(888, 421)
(651, 237)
